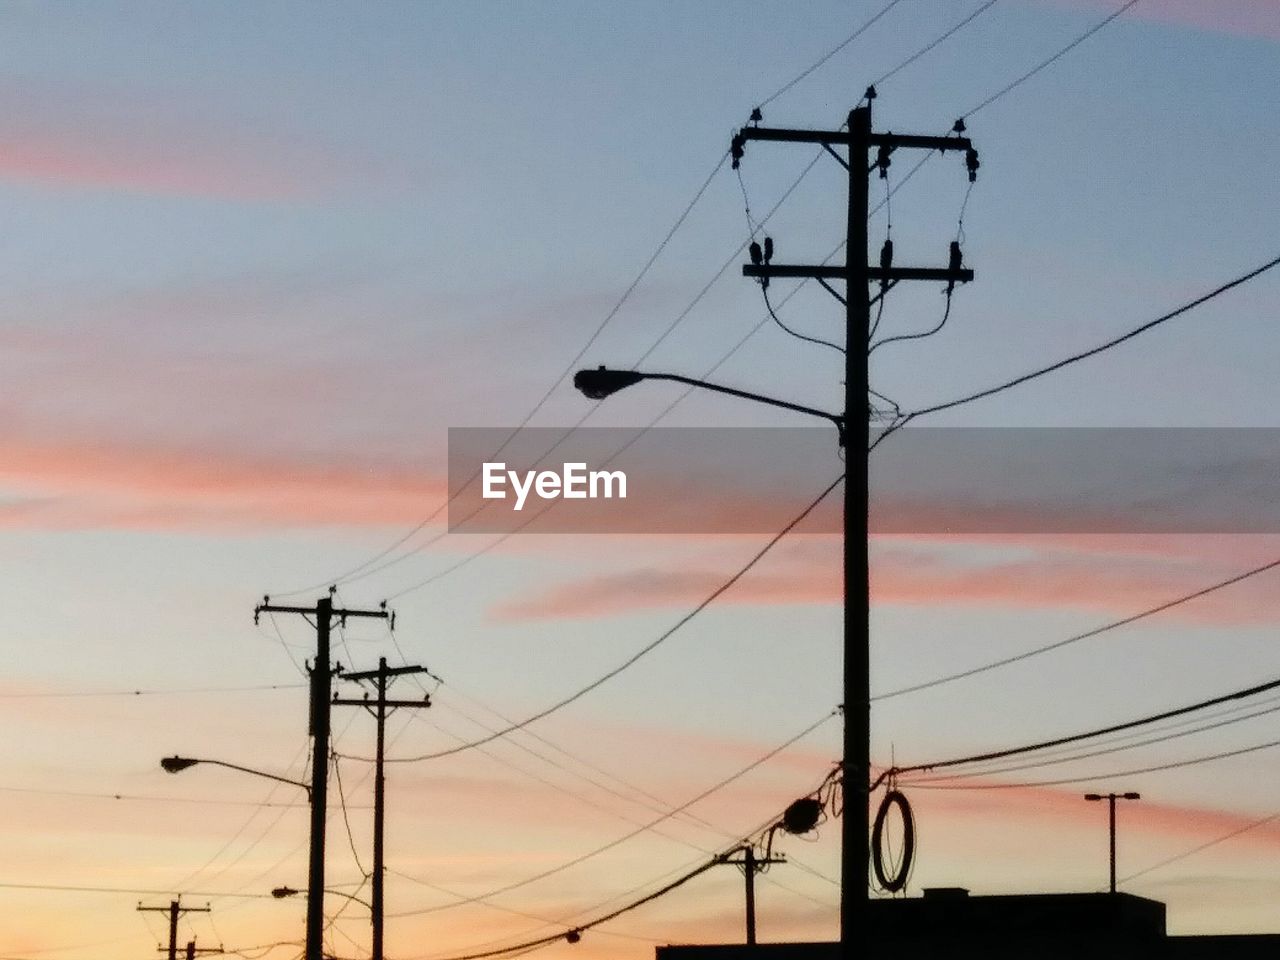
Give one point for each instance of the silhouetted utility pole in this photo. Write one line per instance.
(193, 951)
(381, 708)
(751, 865)
(1111, 799)
(857, 273)
(321, 682)
(174, 910)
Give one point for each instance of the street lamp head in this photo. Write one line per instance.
(1133, 796)
(281, 892)
(601, 382)
(176, 764)
(1093, 796)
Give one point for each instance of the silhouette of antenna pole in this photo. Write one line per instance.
(859, 139)
(321, 683)
(381, 708)
(1111, 799)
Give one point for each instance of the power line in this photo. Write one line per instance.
(1094, 351)
(720, 272)
(1269, 818)
(174, 691)
(1175, 765)
(689, 873)
(952, 31)
(647, 648)
(714, 788)
(1090, 754)
(1088, 735)
(1049, 60)
(362, 569)
(1096, 631)
(831, 53)
(136, 891)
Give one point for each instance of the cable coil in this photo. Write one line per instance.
(901, 870)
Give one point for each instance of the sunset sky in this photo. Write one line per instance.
(259, 258)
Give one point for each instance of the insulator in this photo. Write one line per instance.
(573, 936)
(756, 115)
(735, 149)
(882, 160)
(871, 93)
(886, 255)
(971, 161)
(956, 260)
(768, 249)
(958, 126)
(756, 256)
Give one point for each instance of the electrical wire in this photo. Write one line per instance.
(559, 868)
(952, 31)
(1175, 765)
(827, 56)
(173, 691)
(1076, 638)
(1241, 694)
(1100, 348)
(913, 336)
(1049, 60)
(796, 333)
(695, 869)
(647, 648)
(1231, 835)
(362, 569)
(346, 820)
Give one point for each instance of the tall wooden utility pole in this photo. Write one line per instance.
(857, 273)
(321, 682)
(381, 708)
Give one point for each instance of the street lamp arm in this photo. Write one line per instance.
(176, 764)
(600, 383)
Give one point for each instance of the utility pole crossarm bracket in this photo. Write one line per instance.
(827, 137)
(374, 674)
(836, 272)
(344, 702)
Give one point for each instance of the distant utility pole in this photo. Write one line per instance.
(1111, 799)
(321, 682)
(857, 273)
(381, 708)
(174, 910)
(751, 865)
(193, 951)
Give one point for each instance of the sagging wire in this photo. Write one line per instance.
(764, 289)
(346, 819)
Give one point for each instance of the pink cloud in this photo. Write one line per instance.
(68, 485)
(1109, 576)
(1245, 18)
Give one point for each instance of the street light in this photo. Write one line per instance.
(1111, 799)
(281, 893)
(603, 382)
(856, 761)
(177, 764)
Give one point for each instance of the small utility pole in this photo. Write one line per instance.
(751, 865)
(321, 682)
(381, 708)
(1111, 799)
(858, 138)
(193, 951)
(174, 910)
